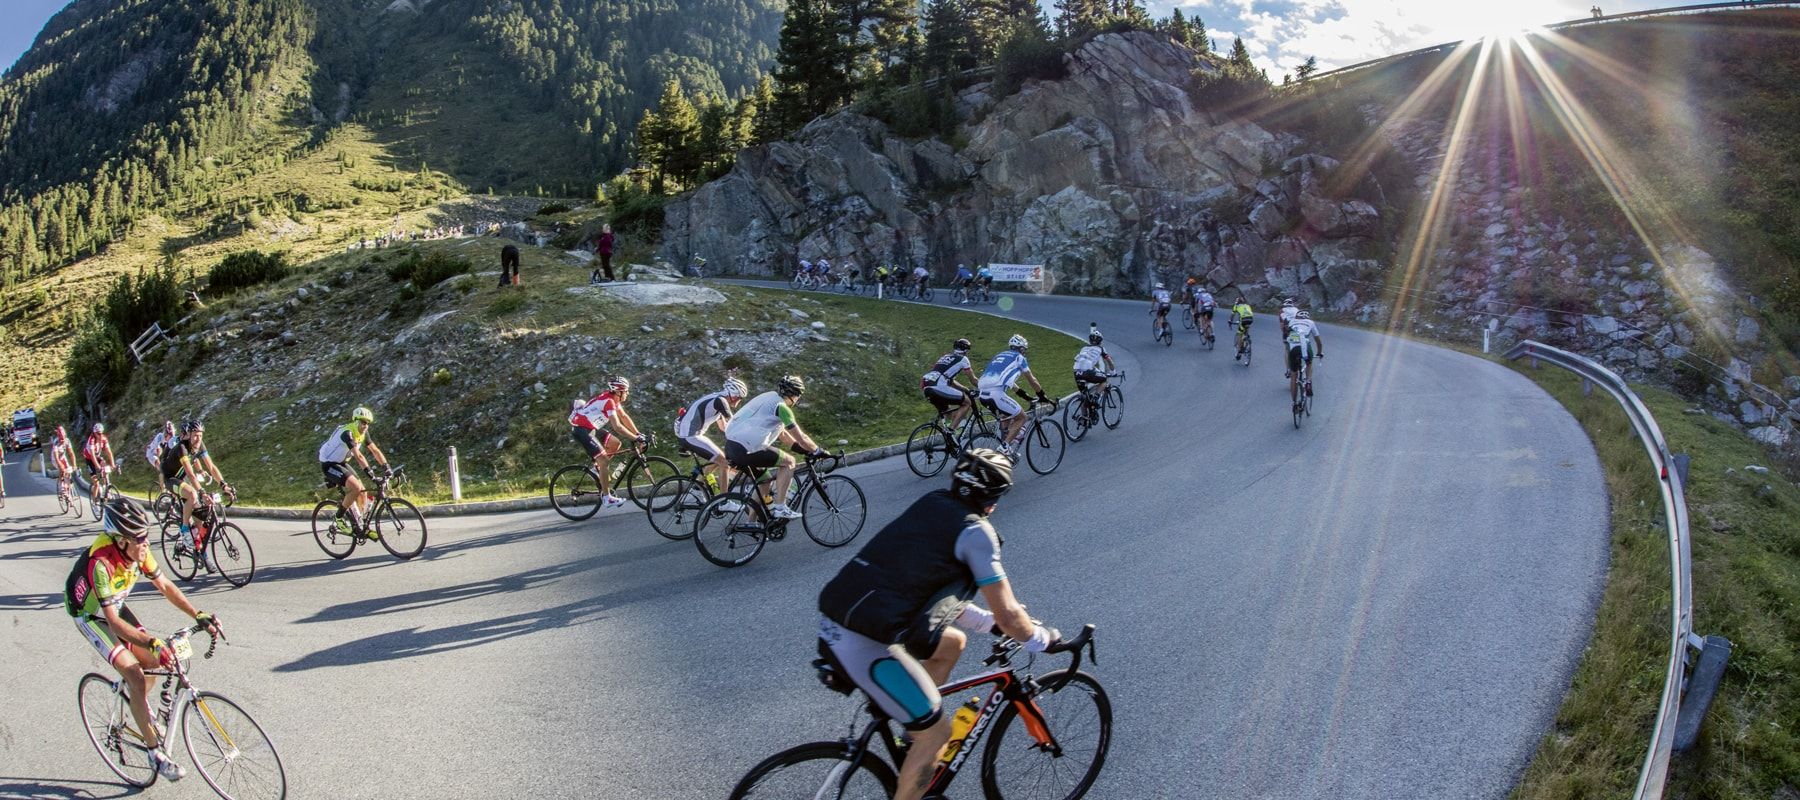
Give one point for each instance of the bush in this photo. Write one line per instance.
(552, 208)
(98, 358)
(425, 270)
(246, 269)
(636, 212)
(1026, 52)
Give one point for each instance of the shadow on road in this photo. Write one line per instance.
(29, 602)
(54, 789)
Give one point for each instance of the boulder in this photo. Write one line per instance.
(1746, 331)
(1771, 435)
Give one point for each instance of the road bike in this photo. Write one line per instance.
(1303, 406)
(1042, 437)
(1200, 325)
(932, 445)
(1090, 407)
(575, 489)
(227, 550)
(733, 527)
(675, 502)
(231, 752)
(1243, 334)
(101, 491)
(921, 292)
(66, 499)
(847, 284)
(1055, 751)
(393, 521)
(1159, 328)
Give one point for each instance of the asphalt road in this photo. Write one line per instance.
(1387, 603)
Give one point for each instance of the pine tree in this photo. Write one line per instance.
(674, 134)
(767, 124)
(812, 69)
(1305, 71)
(949, 37)
(1197, 38)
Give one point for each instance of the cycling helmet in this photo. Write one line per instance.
(790, 386)
(99, 428)
(735, 388)
(981, 476)
(193, 426)
(962, 346)
(125, 517)
(363, 414)
(1159, 284)
(618, 383)
(1191, 281)
(1094, 337)
(1287, 302)
(1017, 342)
(1303, 315)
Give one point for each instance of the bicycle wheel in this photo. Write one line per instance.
(165, 505)
(1187, 322)
(1246, 351)
(231, 751)
(674, 505)
(336, 543)
(819, 769)
(1044, 445)
(96, 499)
(107, 717)
(989, 439)
(62, 503)
(1077, 715)
(644, 475)
(1077, 418)
(401, 528)
(927, 294)
(729, 538)
(1112, 407)
(926, 450)
(182, 560)
(833, 510)
(575, 492)
(231, 553)
(991, 297)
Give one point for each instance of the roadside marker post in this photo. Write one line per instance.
(455, 478)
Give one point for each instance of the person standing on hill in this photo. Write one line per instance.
(603, 247)
(509, 265)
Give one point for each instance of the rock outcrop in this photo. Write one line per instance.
(1111, 176)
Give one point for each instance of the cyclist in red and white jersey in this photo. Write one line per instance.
(97, 452)
(587, 426)
(699, 416)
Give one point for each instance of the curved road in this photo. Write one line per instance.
(1388, 603)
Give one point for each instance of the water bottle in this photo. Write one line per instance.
(712, 482)
(960, 725)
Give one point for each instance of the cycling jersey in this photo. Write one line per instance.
(341, 442)
(177, 459)
(700, 415)
(963, 274)
(1004, 370)
(1090, 358)
(760, 422)
(1287, 314)
(1300, 335)
(595, 413)
(1161, 296)
(945, 371)
(921, 273)
(1204, 299)
(158, 443)
(102, 577)
(95, 447)
(1244, 313)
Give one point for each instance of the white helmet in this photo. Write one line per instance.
(1017, 342)
(1302, 315)
(1159, 284)
(735, 388)
(1287, 302)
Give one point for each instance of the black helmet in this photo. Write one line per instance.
(981, 476)
(193, 426)
(126, 518)
(961, 346)
(790, 386)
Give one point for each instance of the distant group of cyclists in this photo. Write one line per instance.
(823, 273)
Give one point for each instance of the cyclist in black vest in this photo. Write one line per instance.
(895, 603)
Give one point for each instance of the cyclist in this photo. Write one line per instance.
(985, 277)
(1241, 317)
(942, 388)
(765, 421)
(1288, 310)
(184, 462)
(893, 618)
(692, 422)
(163, 439)
(94, 596)
(966, 280)
(343, 444)
(1303, 342)
(62, 454)
(881, 275)
(920, 277)
(1203, 304)
(1160, 301)
(97, 452)
(1088, 361)
(1001, 374)
(587, 426)
(806, 268)
(824, 270)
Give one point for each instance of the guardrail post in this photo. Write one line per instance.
(1681, 468)
(455, 478)
(1703, 684)
(1587, 388)
(1487, 340)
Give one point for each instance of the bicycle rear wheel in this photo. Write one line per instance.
(231, 553)
(1077, 722)
(106, 716)
(231, 751)
(674, 504)
(729, 538)
(96, 499)
(1044, 445)
(819, 769)
(926, 450)
(575, 492)
(644, 476)
(1077, 418)
(401, 528)
(833, 510)
(336, 543)
(182, 560)
(1112, 407)
(1187, 322)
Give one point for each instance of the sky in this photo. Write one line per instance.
(20, 21)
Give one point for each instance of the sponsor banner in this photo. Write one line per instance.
(1017, 273)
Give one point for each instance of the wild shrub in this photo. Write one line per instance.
(246, 269)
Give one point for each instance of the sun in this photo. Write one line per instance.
(1500, 21)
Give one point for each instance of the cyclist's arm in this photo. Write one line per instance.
(214, 469)
(1038, 387)
(1318, 341)
(110, 460)
(125, 631)
(1009, 613)
(626, 426)
(380, 457)
(173, 594)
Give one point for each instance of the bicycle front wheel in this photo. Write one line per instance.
(674, 505)
(819, 769)
(833, 511)
(1112, 407)
(401, 528)
(107, 718)
(726, 531)
(575, 492)
(231, 751)
(1059, 759)
(336, 543)
(645, 475)
(231, 553)
(178, 556)
(96, 499)
(1044, 446)
(926, 451)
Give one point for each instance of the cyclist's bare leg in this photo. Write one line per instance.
(1294, 385)
(928, 744)
(353, 498)
(189, 499)
(137, 688)
(1011, 426)
(784, 475)
(602, 460)
(956, 417)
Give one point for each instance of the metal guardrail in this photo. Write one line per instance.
(1684, 701)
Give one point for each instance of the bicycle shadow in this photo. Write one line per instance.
(29, 602)
(20, 788)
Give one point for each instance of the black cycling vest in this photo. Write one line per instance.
(947, 363)
(907, 582)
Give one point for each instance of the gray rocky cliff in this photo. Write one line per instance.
(1111, 176)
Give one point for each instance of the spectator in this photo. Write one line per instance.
(509, 265)
(603, 247)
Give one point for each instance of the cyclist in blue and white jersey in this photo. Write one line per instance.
(985, 277)
(965, 279)
(941, 387)
(1001, 374)
(1288, 311)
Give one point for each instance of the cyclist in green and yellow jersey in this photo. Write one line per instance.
(1241, 317)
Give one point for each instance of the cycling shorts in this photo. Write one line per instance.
(593, 441)
(337, 473)
(99, 634)
(701, 445)
(943, 398)
(893, 679)
(1296, 357)
(1162, 309)
(737, 456)
(93, 467)
(1088, 377)
(1243, 323)
(1000, 401)
(1206, 313)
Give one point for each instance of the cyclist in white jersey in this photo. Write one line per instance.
(1001, 374)
(941, 387)
(339, 448)
(921, 276)
(1089, 360)
(163, 439)
(1160, 302)
(763, 423)
(1288, 310)
(1303, 342)
(699, 416)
